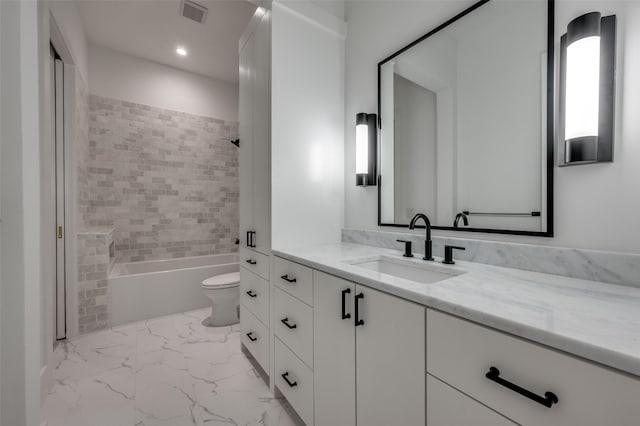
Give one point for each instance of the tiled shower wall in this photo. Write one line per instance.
(92, 245)
(165, 181)
(93, 283)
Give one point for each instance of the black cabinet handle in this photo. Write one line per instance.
(250, 336)
(287, 279)
(250, 293)
(285, 376)
(251, 261)
(250, 242)
(344, 303)
(285, 321)
(547, 400)
(358, 321)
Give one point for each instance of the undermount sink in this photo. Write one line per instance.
(406, 269)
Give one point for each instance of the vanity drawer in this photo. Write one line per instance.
(294, 325)
(461, 353)
(254, 294)
(254, 261)
(293, 278)
(447, 407)
(255, 337)
(295, 381)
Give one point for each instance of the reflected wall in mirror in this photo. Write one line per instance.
(466, 122)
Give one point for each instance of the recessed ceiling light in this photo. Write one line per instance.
(181, 51)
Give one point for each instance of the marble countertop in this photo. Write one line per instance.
(593, 320)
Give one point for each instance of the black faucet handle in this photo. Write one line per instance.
(407, 248)
(448, 254)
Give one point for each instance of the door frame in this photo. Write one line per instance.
(59, 139)
(61, 46)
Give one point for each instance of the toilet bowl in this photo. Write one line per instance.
(224, 292)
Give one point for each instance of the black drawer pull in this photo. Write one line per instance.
(251, 261)
(250, 336)
(358, 321)
(344, 303)
(287, 279)
(548, 400)
(286, 379)
(250, 293)
(285, 321)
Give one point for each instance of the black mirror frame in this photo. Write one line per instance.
(550, 124)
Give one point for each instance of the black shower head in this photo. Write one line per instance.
(236, 142)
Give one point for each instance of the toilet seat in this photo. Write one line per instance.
(222, 281)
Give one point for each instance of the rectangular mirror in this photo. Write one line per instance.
(466, 122)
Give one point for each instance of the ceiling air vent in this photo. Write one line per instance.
(193, 11)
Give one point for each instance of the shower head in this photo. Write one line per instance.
(236, 142)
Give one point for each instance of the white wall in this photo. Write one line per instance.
(20, 212)
(307, 135)
(335, 8)
(121, 76)
(596, 206)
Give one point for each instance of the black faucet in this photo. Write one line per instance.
(428, 251)
(464, 220)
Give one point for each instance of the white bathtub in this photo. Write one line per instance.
(143, 290)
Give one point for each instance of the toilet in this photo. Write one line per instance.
(224, 292)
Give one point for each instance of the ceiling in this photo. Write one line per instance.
(153, 29)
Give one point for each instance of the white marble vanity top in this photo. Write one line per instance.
(593, 320)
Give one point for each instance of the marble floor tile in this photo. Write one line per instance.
(169, 371)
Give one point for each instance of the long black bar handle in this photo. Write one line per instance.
(285, 321)
(251, 261)
(251, 294)
(248, 238)
(285, 376)
(253, 243)
(345, 315)
(547, 400)
(250, 336)
(358, 321)
(287, 279)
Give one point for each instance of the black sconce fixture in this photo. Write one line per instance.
(366, 149)
(587, 90)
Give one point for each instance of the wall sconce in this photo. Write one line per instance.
(366, 149)
(587, 90)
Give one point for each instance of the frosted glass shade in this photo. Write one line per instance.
(362, 149)
(582, 88)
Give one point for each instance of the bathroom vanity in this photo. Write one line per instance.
(468, 344)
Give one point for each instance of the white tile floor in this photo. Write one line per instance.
(167, 371)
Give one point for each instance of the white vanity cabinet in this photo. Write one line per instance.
(369, 356)
(254, 176)
(460, 353)
(293, 335)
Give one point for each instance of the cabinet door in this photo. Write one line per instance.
(262, 136)
(390, 360)
(334, 352)
(446, 407)
(245, 155)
